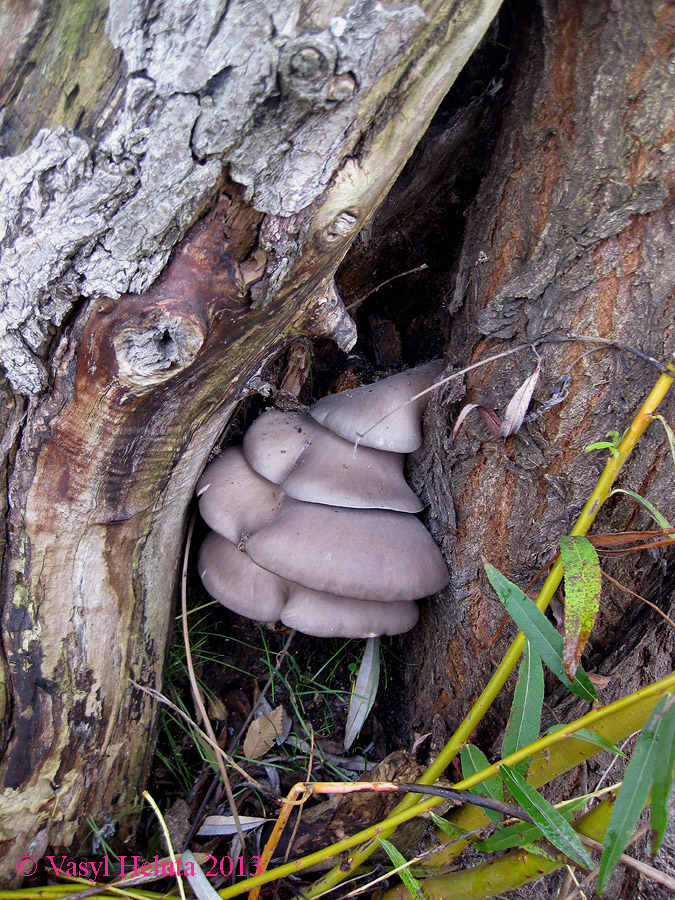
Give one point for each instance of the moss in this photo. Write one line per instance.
(70, 73)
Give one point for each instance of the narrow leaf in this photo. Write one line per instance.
(664, 764)
(519, 404)
(397, 859)
(364, 691)
(632, 796)
(528, 700)
(490, 418)
(520, 833)
(473, 760)
(583, 585)
(196, 878)
(584, 734)
(539, 631)
(660, 520)
(262, 733)
(669, 434)
(225, 825)
(449, 828)
(553, 826)
(542, 850)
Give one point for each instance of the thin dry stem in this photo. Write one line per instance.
(638, 597)
(196, 692)
(156, 695)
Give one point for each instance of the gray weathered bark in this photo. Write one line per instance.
(280, 126)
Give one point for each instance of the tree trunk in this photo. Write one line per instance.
(572, 232)
(129, 333)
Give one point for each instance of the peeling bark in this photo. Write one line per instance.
(281, 127)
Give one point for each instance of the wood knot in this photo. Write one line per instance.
(306, 68)
(156, 347)
(342, 226)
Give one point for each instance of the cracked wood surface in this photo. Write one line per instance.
(282, 126)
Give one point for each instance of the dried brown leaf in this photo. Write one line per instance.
(262, 733)
(490, 418)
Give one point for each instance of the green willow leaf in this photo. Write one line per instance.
(590, 737)
(583, 585)
(539, 631)
(664, 764)
(472, 761)
(449, 828)
(520, 833)
(397, 859)
(528, 700)
(632, 797)
(660, 520)
(542, 850)
(555, 828)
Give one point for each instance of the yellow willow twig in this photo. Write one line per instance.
(644, 695)
(550, 586)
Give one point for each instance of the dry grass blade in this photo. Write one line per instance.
(156, 695)
(196, 693)
(358, 302)
(638, 597)
(532, 345)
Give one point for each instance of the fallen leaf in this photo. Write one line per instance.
(217, 709)
(225, 825)
(490, 417)
(519, 404)
(364, 690)
(262, 733)
(600, 681)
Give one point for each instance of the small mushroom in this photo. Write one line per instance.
(313, 464)
(325, 615)
(233, 498)
(368, 554)
(378, 415)
(234, 579)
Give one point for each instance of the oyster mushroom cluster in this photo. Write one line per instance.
(317, 532)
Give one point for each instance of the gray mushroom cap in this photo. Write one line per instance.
(231, 577)
(325, 615)
(274, 442)
(313, 464)
(355, 414)
(233, 498)
(367, 554)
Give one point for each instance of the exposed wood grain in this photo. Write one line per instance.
(134, 373)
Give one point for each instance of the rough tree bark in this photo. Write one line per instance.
(572, 231)
(128, 333)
